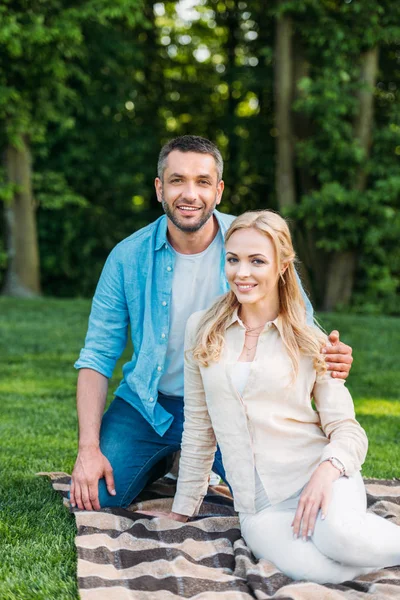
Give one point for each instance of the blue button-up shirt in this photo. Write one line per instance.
(135, 289)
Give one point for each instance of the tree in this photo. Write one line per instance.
(329, 126)
(327, 134)
(42, 51)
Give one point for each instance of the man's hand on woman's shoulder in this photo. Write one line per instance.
(338, 356)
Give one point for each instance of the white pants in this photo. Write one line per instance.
(348, 543)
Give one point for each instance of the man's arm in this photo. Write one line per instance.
(104, 344)
(91, 465)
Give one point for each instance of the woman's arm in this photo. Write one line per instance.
(198, 440)
(348, 443)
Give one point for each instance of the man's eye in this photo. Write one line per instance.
(204, 182)
(176, 180)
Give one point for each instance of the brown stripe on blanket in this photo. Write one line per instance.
(123, 555)
(173, 535)
(124, 558)
(181, 586)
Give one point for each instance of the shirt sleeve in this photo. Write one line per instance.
(348, 441)
(198, 439)
(108, 322)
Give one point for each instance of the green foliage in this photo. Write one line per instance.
(53, 192)
(99, 86)
(327, 210)
(329, 158)
(42, 49)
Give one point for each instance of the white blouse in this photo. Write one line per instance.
(273, 427)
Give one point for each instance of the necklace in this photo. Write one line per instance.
(251, 329)
(249, 348)
(251, 335)
(252, 332)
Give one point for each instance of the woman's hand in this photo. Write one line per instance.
(316, 495)
(168, 515)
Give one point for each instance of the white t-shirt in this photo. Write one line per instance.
(240, 376)
(195, 286)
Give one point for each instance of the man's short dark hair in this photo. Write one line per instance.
(190, 143)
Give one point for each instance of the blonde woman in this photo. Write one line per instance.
(252, 368)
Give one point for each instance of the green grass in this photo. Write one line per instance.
(39, 341)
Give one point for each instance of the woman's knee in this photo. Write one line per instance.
(340, 535)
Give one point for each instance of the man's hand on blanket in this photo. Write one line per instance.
(168, 515)
(338, 356)
(91, 465)
(315, 496)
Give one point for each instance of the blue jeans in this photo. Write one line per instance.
(138, 455)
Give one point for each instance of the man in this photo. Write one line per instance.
(153, 281)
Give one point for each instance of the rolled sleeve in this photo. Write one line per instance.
(348, 441)
(108, 322)
(198, 440)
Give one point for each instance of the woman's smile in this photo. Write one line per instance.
(245, 287)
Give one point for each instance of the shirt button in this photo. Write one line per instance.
(164, 303)
(151, 399)
(163, 335)
(169, 268)
(159, 368)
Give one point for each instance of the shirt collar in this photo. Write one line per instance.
(161, 235)
(236, 319)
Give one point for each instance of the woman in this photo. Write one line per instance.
(252, 368)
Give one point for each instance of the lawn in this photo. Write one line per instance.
(39, 342)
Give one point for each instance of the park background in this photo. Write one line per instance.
(301, 96)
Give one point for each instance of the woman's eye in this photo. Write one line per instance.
(258, 261)
(231, 260)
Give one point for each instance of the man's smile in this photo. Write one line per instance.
(187, 208)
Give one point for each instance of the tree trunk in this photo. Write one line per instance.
(364, 122)
(23, 276)
(341, 273)
(232, 165)
(312, 266)
(283, 69)
(340, 279)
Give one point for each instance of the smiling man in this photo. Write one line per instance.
(153, 281)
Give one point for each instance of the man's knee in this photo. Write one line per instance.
(129, 485)
(107, 500)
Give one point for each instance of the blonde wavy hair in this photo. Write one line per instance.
(298, 337)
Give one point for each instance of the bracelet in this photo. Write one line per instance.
(335, 462)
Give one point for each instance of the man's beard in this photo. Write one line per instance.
(182, 226)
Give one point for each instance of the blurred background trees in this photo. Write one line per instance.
(301, 96)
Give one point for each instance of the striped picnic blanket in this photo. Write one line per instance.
(126, 556)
